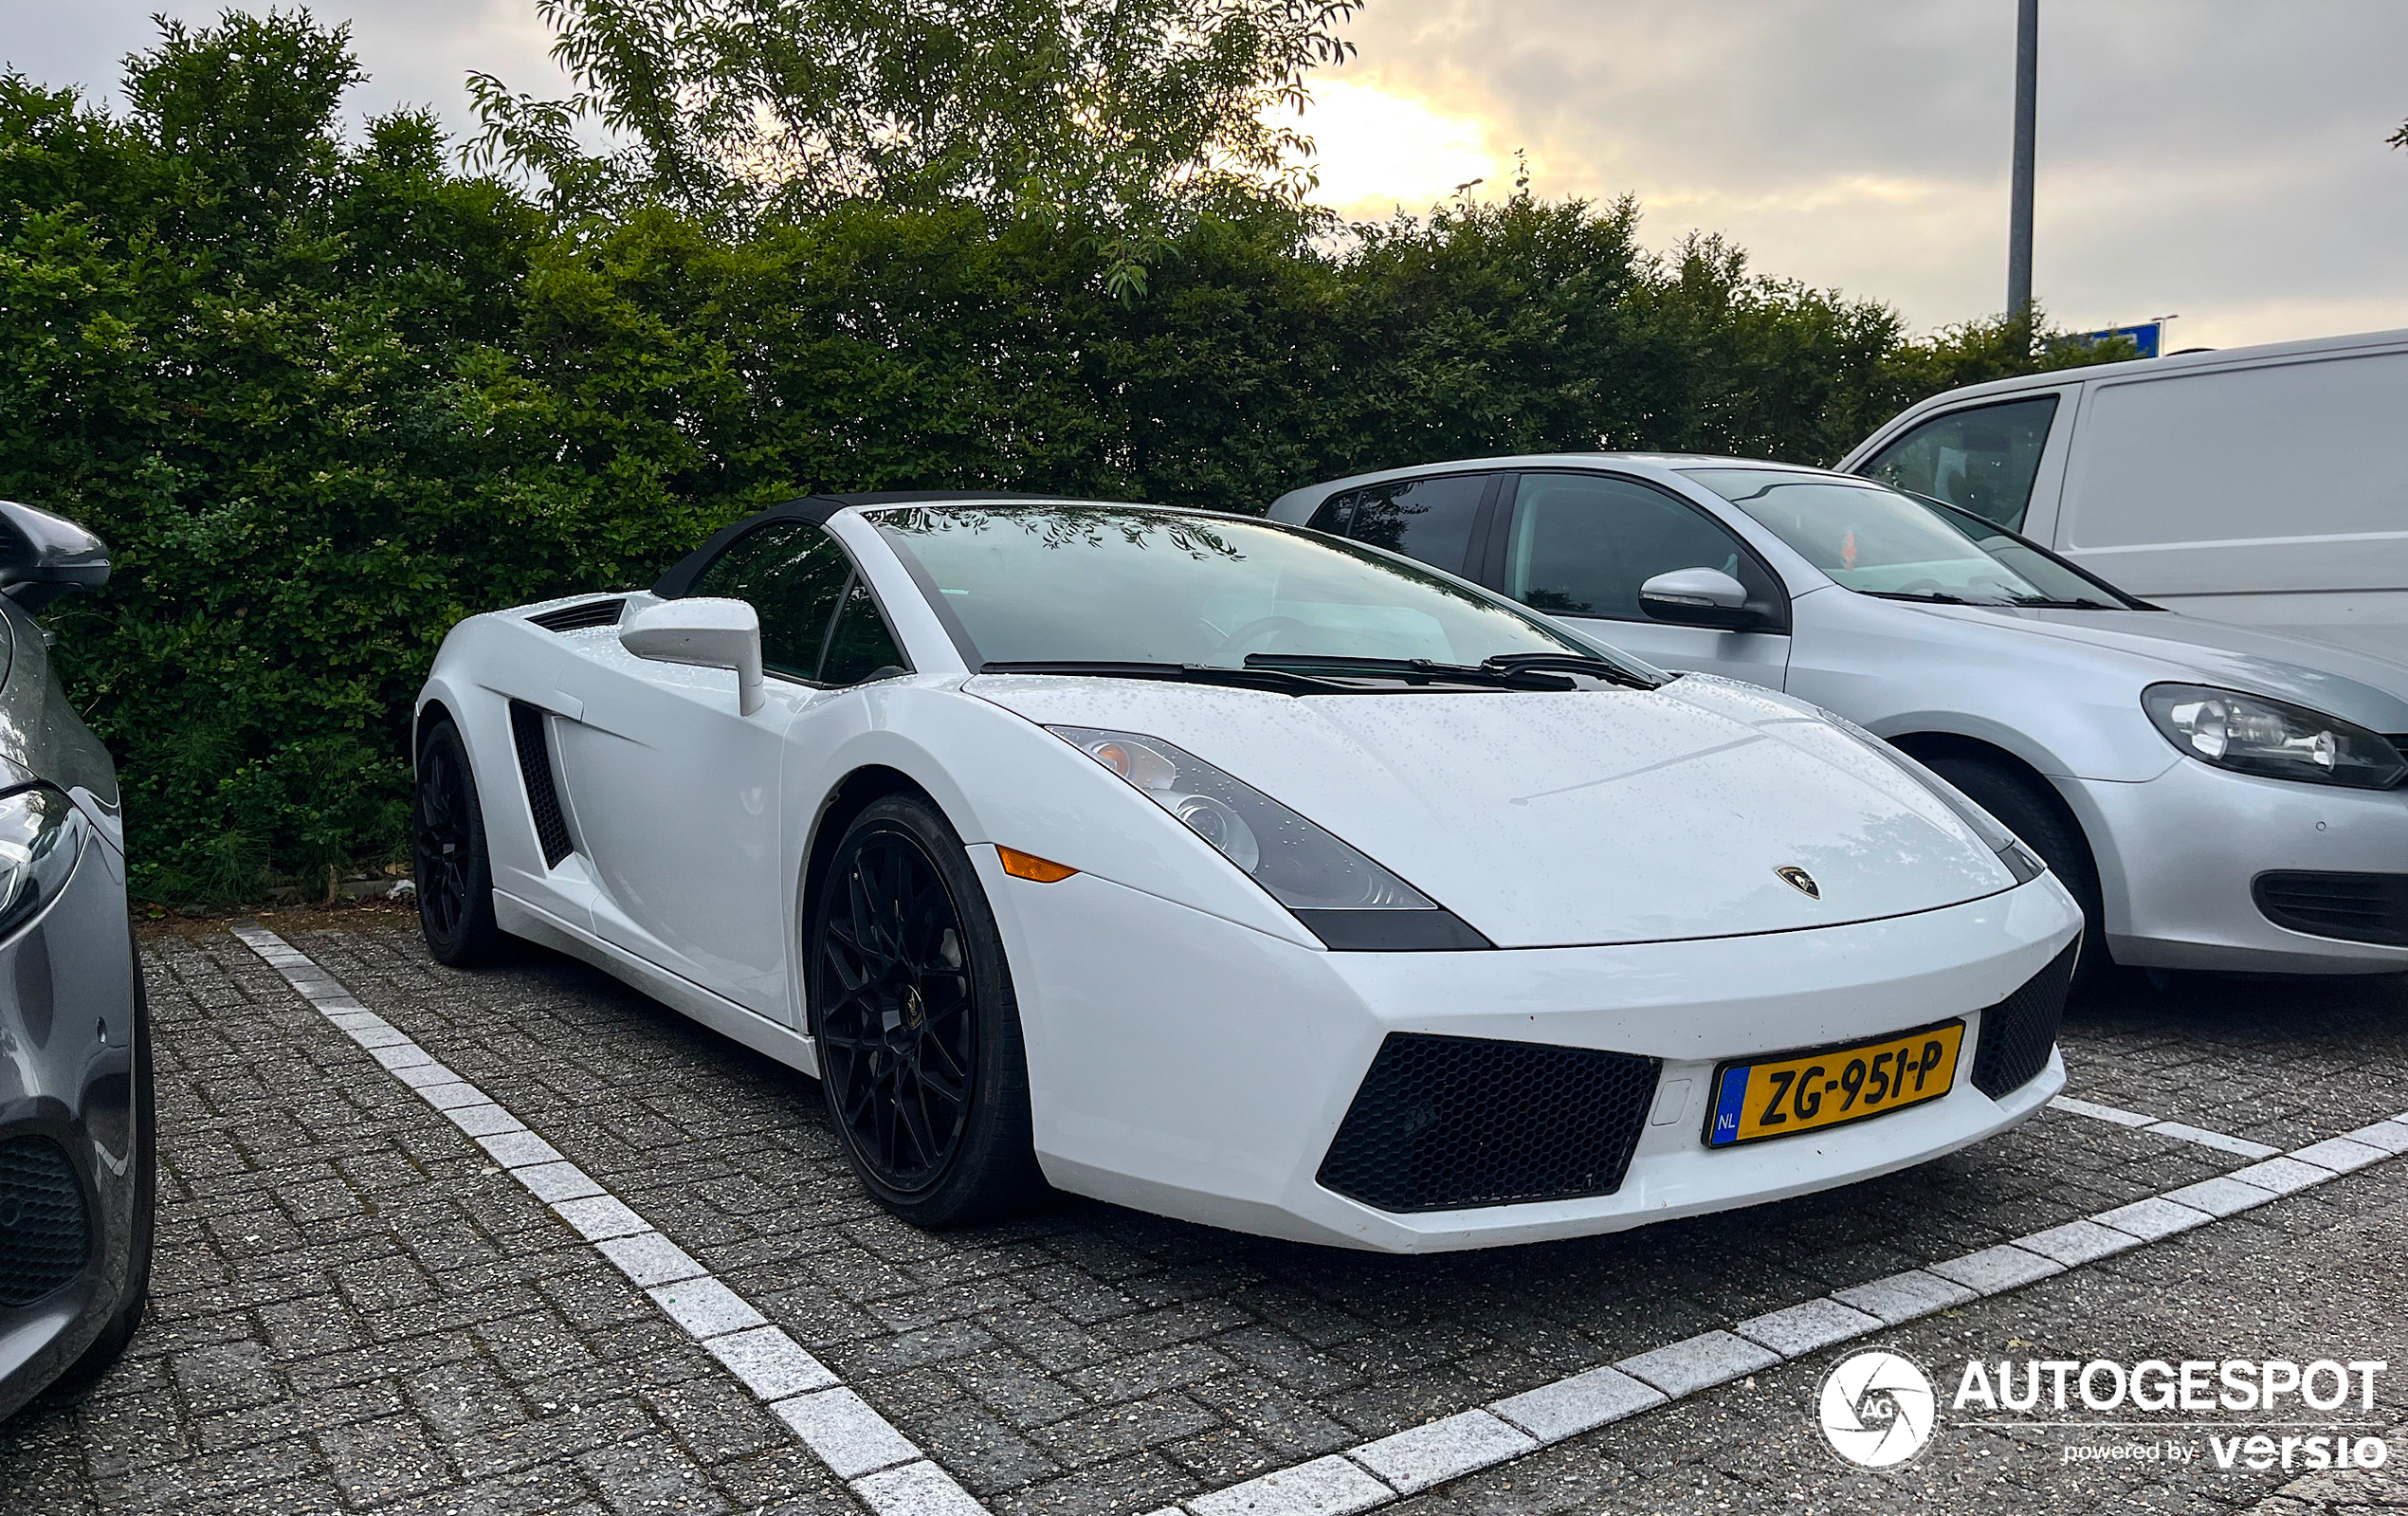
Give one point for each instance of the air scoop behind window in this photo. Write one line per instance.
(581, 617)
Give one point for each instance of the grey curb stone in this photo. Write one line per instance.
(518, 1150)
(2219, 1197)
(1695, 1362)
(706, 1307)
(771, 1364)
(2101, 1113)
(2339, 1154)
(1325, 1486)
(1582, 1403)
(1905, 1297)
(1801, 1329)
(598, 1216)
(2283, 1176)
(916, 1489)
(2390, 1135)
(557, 1181)
(1423, 1456)
(452, 1095)
(2078, 1242)
(426, 1076)
(487, 1119)
(649, 1259)
(1993, 1270)
(2154, 1218)
(849, 1437)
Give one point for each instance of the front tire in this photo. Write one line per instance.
(447, 849)
(921, 1057)
(2043, 824)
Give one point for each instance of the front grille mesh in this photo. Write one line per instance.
(46, 1234)
(535, 767)
(2354, 907)
(1442, 1122)
(2019, 1033)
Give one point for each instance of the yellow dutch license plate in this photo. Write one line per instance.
(1781, 1096)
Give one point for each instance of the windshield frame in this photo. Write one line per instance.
(976, 661)
(1951, 515)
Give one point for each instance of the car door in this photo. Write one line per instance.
(679, 795)
(1577, 545)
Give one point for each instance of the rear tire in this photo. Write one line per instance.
(2042, 823)
(448, 847)
(921, 1056)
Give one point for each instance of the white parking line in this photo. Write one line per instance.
(1375, 1473)
(894, 1477)
(884, 1468)
(2221, 1141)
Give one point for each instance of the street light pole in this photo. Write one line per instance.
(2027, 82)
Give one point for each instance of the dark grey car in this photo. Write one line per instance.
(76, 1161)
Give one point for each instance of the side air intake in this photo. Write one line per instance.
(535, 767)
(579, 617)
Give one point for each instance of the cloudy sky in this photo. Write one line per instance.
(2223, 159)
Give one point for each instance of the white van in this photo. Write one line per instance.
(2265, 486)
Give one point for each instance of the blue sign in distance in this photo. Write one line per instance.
(2143, 337)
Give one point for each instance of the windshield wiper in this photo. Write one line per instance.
(1416, 672)
(1271, 679)
(1572, 663)
(1933, 597)
(2083, 603)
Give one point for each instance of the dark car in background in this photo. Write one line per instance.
(78, 1165)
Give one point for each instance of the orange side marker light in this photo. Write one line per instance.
(1028, 866)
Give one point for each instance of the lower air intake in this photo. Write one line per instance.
(46, 1234)
(1445, 1123)
(2354, 907)
(2019, 1033)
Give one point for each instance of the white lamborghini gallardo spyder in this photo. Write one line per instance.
(1238, 873)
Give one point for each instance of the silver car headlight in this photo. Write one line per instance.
(40, 836)
(1346, 899)
(2272, 738)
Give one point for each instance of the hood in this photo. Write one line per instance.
(2355, 687)
(1555, 819)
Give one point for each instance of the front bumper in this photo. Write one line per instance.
(69, 1040)
(1187, 1065)
(2176, 854)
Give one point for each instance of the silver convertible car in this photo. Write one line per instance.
(2217, 797)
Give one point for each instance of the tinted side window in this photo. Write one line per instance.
(1332, 515)
(861, 645)
(1582, 544)
(792, 573)
(1425, 518)
(1981, 460)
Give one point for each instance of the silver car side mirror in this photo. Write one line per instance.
(43, 556)
(708, 633)
(1698, 598)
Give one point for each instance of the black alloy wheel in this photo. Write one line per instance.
(918, 1034)
(448, 851)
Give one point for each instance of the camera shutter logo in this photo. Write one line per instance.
(1878, 1410)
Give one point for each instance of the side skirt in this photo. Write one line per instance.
(727, 1018)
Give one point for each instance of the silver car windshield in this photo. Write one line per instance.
(1877, 540)
(1137, 584)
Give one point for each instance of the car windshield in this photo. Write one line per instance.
(1141, 584)
(1877, 540)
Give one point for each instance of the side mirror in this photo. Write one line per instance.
(43, 556)
(707, 633)
(1697, 598)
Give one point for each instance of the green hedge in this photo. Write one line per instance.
(324, 396)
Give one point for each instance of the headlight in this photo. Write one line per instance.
(1348, 901)
(2273, 739)
(40, 835)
